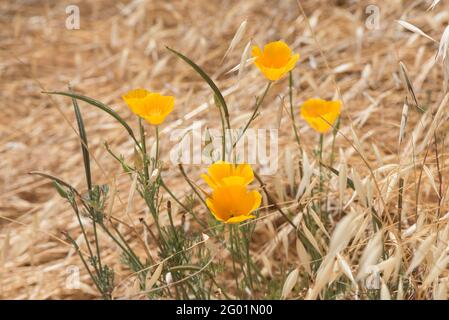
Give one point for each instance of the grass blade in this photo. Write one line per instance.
(84, 146)
(99, 105)
(57, 180)
(206, 78)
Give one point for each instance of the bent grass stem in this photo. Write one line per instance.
(253, 115)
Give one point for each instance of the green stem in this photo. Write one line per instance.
(234, 269)
(155, 213)
(97, 245)
(157, 148)
(130, 250)
(107, 296)
(163, 185)
(153, 236)
(130, 254)
(254, 114)
(83, 230)
(248, 261)
(334, 135)
(144, 150)
(192, 186)
(223, 136)
(228, 123)
(196, 268)
(292, 113)
(240, 254)
(170, 217)
(320, 154)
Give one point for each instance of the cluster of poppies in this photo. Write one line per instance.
(231, 201)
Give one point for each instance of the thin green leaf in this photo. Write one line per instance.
(99, 105)
(209, 81)
(55, 179)
(60, 189)
(84, 146)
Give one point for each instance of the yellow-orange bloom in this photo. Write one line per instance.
(153, 107)
(275, 60)
(221, 170)
(231, 202)
(320, 114)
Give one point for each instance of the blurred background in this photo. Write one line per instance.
(120, 45)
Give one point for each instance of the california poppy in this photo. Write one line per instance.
(231, 202)
(153, 107)
(320, 114)
(275, 60)
(221, 170)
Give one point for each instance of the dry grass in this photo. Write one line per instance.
(121, 45)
